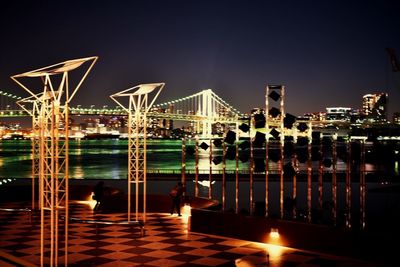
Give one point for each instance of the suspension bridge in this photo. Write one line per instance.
(204, 105)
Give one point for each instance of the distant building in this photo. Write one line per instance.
(342, 114)
(314, 116)
(161, 127)
(375, 107)
(396, 117)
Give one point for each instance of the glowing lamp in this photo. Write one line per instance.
(274, 233)
(187, 210)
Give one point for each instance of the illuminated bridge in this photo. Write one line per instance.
(204, 107)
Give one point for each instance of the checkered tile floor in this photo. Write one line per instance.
(167, 242)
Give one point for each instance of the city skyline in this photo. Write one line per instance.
(326, 54)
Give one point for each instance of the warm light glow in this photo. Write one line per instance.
(186, 213)
(186, 210)
(275, 251)
(274, 233)
(89, 201)
(204, 183)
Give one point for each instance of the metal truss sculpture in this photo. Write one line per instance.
(139, 104)
(32, 106)
(50, 113)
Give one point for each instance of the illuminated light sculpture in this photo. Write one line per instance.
(50, 113)
(139, 103)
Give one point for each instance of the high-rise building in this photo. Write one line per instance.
(338, 114)
(396, 117)
(375, 106)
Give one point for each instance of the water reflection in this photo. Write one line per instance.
(320, 201)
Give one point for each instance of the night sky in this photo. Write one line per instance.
(326, 53)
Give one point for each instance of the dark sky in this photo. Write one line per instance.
(326, 53)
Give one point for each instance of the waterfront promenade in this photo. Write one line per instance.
(168, 241)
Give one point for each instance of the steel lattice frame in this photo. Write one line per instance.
(35, 152)
(50, 117)
(32, 106)
(138, 106)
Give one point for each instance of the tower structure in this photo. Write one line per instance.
(50, 113)
(138, 100)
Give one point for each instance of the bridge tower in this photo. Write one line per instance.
(51, 121)
(208, 112)
(138, 105)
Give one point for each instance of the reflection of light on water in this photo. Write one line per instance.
(396, 167)
(1, 162)
(204, 158)
(115, 172)
(79, 173)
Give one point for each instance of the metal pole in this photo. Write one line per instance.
(309, 182)
(66, 203)
(132, 154)
(348, 185)
(35, 154)
(196, 187)
(282, 140)
(267, 176)
(320, 176)
(362, 186)
(210, 172)
(294, 188)
(267, 152)
(144, 151)
(251, 200)
(281, 181)
(334, 182)
(183, 162)
(223, 176)
(237, 179)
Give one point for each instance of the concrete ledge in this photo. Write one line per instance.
(321, 238)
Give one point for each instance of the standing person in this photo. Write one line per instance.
(98, 195)
(176, 194)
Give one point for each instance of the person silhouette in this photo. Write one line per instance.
(98, 194)
(176, 195)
